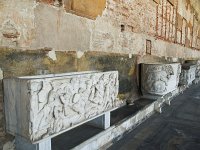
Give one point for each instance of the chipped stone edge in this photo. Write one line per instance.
(1, 74)
(107, 137)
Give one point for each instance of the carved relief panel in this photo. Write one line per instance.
(48, 106)
(160, 79)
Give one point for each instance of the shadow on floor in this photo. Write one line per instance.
(177, 128)
(76, 136)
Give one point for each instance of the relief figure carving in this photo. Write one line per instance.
(157, 78)
(63, 103)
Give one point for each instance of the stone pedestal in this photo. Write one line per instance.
(41, 107)
(23, 144)
(188, 73)
(102, 122)
(159, 79)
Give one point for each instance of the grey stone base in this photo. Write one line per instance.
(23, 144)
(102, 121)
(105, 139)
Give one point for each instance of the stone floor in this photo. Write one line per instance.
(177, 128)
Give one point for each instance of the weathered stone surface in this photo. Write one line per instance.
(30, 24)
(188, 74)
(157, 1)
(197, 63)
(198, 69)
(67, 31)
(85, 8)
(9, 145)
(160, 79)
(41, 106)
(17, 23)
(24, 144)
(112, 61)
(106, 138)
(117, 13)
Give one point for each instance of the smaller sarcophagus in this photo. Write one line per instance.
(159, 79)
(197, 63)
(188, 73)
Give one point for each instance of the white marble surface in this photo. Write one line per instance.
(42, 106)
(160, 79)
(188, 75)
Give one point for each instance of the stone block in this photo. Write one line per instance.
(188, 74)
(160, 79)
(86, 8)
(40, 107)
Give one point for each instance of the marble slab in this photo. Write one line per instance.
(39, 107)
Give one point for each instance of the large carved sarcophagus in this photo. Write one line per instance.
(159, 79)
(39, 107)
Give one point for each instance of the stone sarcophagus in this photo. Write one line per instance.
(188, 73)
(197, 63)
(198, 69)
(159, 79)
(39, 107)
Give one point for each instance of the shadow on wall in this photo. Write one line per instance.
(123, 63)
(22, 63)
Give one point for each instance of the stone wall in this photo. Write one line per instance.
(56, 36)
(118, 26)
